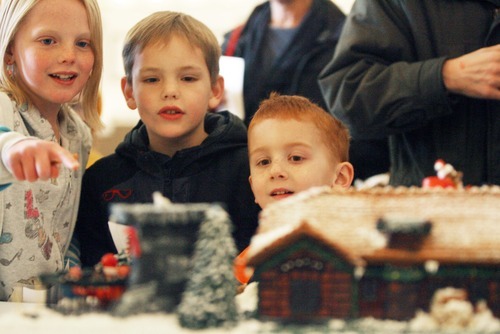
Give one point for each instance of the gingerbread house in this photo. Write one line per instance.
(377, 253)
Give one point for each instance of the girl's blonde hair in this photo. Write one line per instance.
(12, 14)
(333, 132)
(159, 27)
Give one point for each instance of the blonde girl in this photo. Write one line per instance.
(52, 56)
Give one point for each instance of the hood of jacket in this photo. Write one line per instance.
(225, 131)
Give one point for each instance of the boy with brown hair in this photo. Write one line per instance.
(178, 148)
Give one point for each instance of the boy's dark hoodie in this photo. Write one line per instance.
(215, 171)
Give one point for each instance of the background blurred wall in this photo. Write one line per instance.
(120, 15)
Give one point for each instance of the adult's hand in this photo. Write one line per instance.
(476, 74)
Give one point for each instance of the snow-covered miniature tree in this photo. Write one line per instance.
(209, 297)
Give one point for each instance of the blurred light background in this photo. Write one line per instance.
(120, 15)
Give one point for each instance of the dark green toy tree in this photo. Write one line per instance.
(209, 297)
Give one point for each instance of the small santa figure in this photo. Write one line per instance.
(447, 176)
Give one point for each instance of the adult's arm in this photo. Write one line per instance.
(376, 83)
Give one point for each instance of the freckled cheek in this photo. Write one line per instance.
(88, 64)
(319, 178)
(30, 71)
(309, 179)
(31, 62)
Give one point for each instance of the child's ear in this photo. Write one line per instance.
(8, 57)
(128, 93)
(217, 93)
(345, 175)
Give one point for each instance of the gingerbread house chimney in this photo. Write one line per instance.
(404, 233)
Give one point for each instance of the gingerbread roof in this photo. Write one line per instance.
(465, 224)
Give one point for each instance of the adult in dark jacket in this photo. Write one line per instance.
(215, 171)
(426, 73)
(285, 45)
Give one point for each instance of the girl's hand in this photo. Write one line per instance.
(35, 159)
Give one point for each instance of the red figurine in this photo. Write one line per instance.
(447, 176)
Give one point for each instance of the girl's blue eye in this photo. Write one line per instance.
(83, 44)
